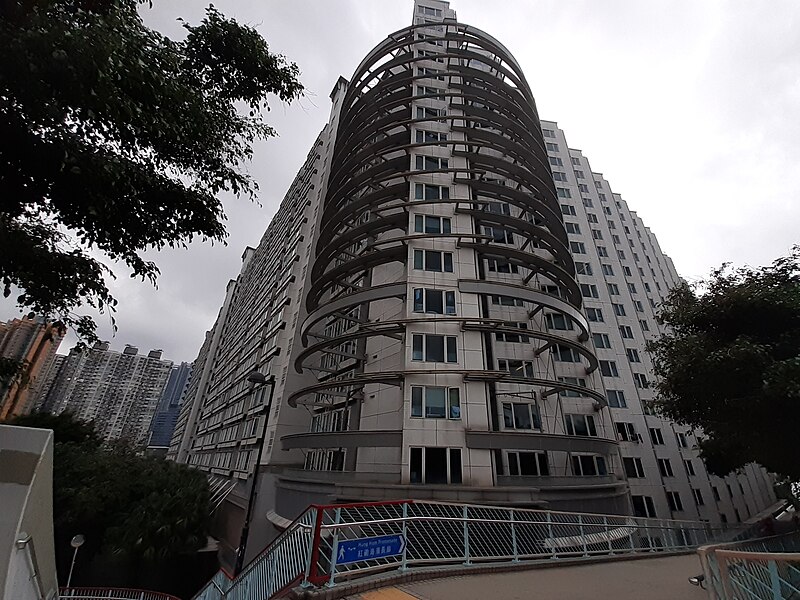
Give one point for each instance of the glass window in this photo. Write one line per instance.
(433, 348)
(580, 425)
(531, 464)
(521, 415)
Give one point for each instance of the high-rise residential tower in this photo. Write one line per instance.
(439, 315)
(119, 391)
(32, 342)
(163, 424)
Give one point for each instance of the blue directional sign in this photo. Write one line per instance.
(369, 548)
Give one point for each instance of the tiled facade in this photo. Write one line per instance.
(453, 306)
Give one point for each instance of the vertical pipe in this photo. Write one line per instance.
(404, 559)
(465, 514)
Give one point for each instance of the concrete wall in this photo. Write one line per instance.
(27, 570)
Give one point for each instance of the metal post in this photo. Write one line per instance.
(335, 551)
(514, 536)
(254, 485)
(466, 537)
(608, 534)
(630, 537)
(404, 559)
(774, 579)
(583, 535)
(310, 553)
(550, 534)
(72, 567)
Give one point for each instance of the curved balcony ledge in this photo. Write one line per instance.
(343, 439)
(508, 440)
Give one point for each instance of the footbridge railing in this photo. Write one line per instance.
(328, 545)
(760, 569)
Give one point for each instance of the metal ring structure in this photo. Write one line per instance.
(464, 103)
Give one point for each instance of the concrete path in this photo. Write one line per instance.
(647, 579)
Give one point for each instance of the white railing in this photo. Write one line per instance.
(760, 569)
(327, 545)
(106, 593)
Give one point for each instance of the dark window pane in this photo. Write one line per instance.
(455, 465)
(416, 347)
(418, 223)
(451, 350)
(450, 303)
(433, 260)
(435, 402)
(416, 465)
(434, 302)
(416, 401)
(448, 262)
(434, 348)
(528, 464)
(508, 415)
(418, 258)
(432, 224)
(513, 466)
(418, 300)
(522, 416)
(435, 465)
(445, 225)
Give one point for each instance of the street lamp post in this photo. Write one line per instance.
(76, 542)
(256, 378)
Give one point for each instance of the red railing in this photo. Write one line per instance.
(109, 593)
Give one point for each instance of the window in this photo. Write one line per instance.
(583, 268)
(674, 501)
(574, 381)
(631, 288)
(621, 254)
(424, 191)
(592, 217)
(613, 289)
(602, 252)
(577, 247)
(431, 465)
(616, 399)
(640, 379)
(424, 112)
(638, 305)
(507, 301)
(580, 425)
(633, 355)
(619, 310)
(644, 507)
(556, 162)
(589, 290)
(645, 326)
(565, 354)
(602, 197)
(611, 224)
(517, 368)
(689, 466)
(433, 260)
(608, 368)
(528, 464)
(601, 340)
(715, 493)
(665, 467)
(430, 224)
(430, 163)
(549, 133)
(433, 348)
(435, 402)
(429, 137)
(586, 465)
(738, 516)
(568, 209)
(730, 491)
(562, 192)
(723, 517)
(579, 175)
(597, 234)
(633, 467)
(559, 176)
(551, 147)
(558, 321)
(583, 188)
(598, 185)
(436, 302)
(627, 432)
(656, 437)
(501, 266)
(520, 415)
(500, 235)
(681, 439)
(428, 11)
(514, 338)
(575, 160)
(572, 227)
(626, 332)
(647, 287)
(606, 210)
(437, 93)
(607, 269)
(595, 315)
(587, 202)
(615, 238)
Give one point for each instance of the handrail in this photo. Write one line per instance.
(331, 543)
(111, 593)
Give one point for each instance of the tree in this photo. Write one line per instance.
(729, 364)
(117, 139)
(138, 509)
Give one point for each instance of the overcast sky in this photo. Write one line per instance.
(690, 109)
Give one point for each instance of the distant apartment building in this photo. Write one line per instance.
(119, 391)
(454, 306)
(163, 423)
(32, 342)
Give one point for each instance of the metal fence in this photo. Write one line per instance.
(331, 544)
(106, 593)
(761, 569)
